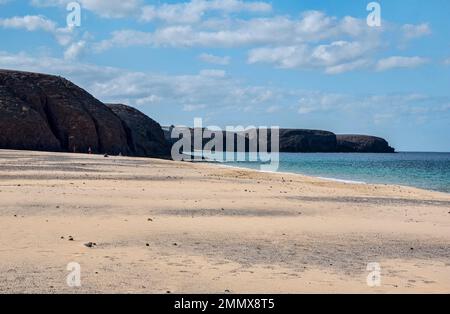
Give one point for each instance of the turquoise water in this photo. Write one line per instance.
(423, 170)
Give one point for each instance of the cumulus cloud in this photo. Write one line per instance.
(151, 99)
(336, 57)
(211, 87)
(213, 73)
(184, 12)
(222, 95)
(312, 40)
(32, 23)
(104, 8)
(282, 41)
(209, 58)
(411, 31)
(124, 38)
(193, 11)
(29, 23)
(400, 62)
(75, 50)
(190, 108)
(312, 26)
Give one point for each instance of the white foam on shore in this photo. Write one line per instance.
(342, 181)
(293, 173)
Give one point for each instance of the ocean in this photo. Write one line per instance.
(423, 170)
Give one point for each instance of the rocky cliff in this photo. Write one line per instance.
(145, 136)
(362, 144)
(308, 141)
(45, 112)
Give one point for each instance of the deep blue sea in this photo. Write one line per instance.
(423, 170)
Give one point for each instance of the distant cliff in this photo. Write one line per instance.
(362, 144)
(50, 113)
(304, 141)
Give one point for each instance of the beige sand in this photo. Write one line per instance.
(212, 229)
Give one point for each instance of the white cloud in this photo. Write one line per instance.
(336, 57)
(124, 38)
(447, 61)
(221, 97)
(151, 99)
(311, 27)
(213, 73)
(273, 109)
(210, 88)
(209, 58)
(411, 31)
(280, 40)
(193, 11)
(75, 50)
(313, 40)
(113, 8)
(29, 23)
(400, 62)
(190, 108)
(32, 23)
(349, 66)
(184, 12)
(104, 8)
(310, 102)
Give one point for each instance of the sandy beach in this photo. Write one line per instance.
(162, 226)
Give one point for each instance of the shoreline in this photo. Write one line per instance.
(322, 178)
(197, 228)
(300, 174)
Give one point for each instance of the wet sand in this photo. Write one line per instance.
(166, 226)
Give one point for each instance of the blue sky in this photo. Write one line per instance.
(301, 64)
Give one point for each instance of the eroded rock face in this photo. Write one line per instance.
(362, 144)
(307, 141)
(45, 112)
(145, 136)
(22, 127)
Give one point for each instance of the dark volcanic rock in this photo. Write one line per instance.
(145, 136)
(362, 144)
(22, 127)
(45, 112)
(291, 140)
(306, 141)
